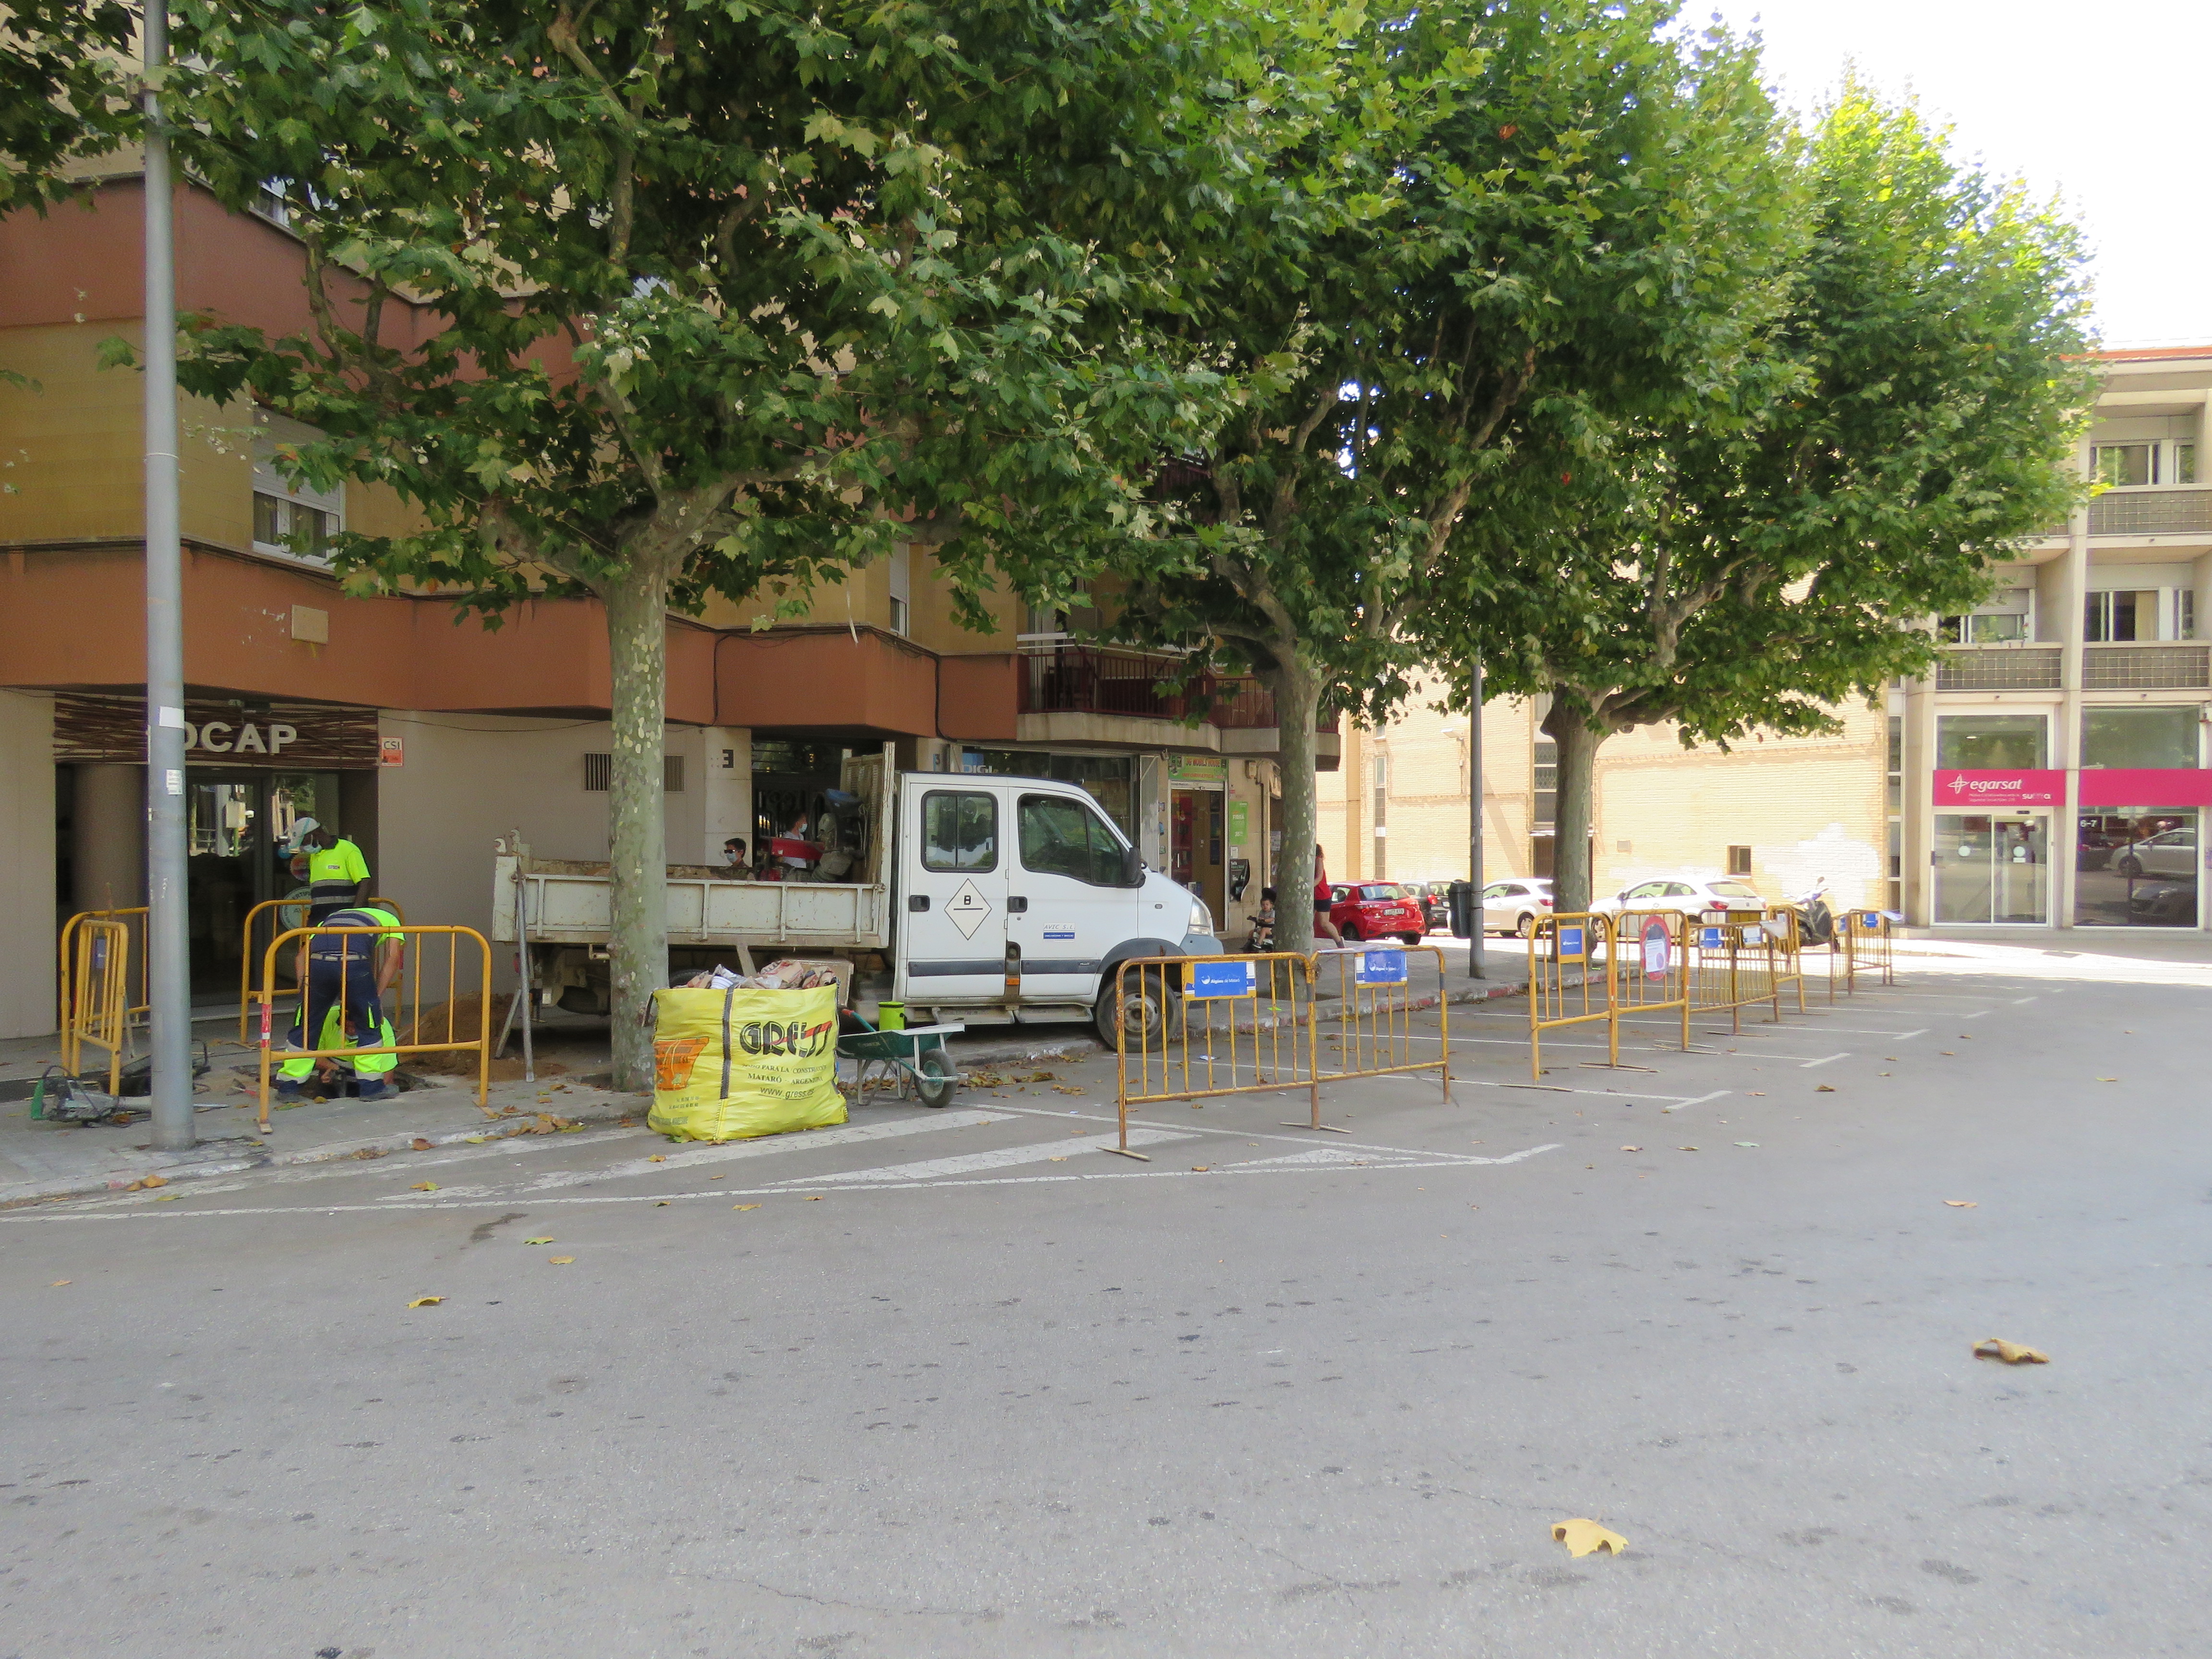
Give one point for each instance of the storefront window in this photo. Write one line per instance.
(2139, 736)
(2136, 867)
(1992, 743)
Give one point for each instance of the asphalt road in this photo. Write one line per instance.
(960, 1384)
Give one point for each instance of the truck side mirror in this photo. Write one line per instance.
(1132, 868)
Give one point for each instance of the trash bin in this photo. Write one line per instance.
(1461, 897)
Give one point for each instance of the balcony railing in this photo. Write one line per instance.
(1063, 678)
(1997, 668)
(2152, 512)
(2144, 667)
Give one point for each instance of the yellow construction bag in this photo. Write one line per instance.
(730, 1065)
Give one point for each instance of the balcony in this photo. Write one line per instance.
(1998, 668)
(2186, 510)
(1077, 692)
(2145, 667)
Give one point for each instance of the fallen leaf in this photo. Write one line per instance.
(658, 1157)
(744, 1207)
(1962, 1204)
(538, 1241)
(815, 1198)
(1065, 1089)
(662, 1204)
(1756, 1094)
(420, 1145)
(1587, 1537)
(152, 1182)
(1996, 1347)
(1825, 1088)
(167, 1198)
(1746, 1143)
(426, 1301)
(59, 1283)
(1037, 1077)
(424, 1186)
(1056, 1160)
(718, 1177)
(1685, 1149)
(2108, 1079)
(1200, 1169)
(1632, 1149)
(475, 1141)
(1881, 1074)
(560, 1261)
(1951, 1051)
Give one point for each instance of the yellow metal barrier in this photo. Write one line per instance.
(1650, 952)
(1372, 988)
(1253, 1031)
(1867, 946)
(1785, 953)
(133, 1011)
(1731, 965)
(1560, 945)
(409, 986)
(299, 918)
(99, 1008)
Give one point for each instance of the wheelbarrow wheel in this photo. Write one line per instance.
(933, 1078)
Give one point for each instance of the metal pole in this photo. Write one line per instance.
(1474, 817)
(170, 985)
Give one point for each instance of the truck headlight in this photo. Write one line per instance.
(1201, 918)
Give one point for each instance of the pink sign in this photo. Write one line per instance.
(1972, 791)
(2123, 785)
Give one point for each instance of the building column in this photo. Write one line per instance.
(2066, 741)
(108, 841)
(1916, 811)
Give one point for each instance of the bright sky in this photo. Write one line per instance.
(2108, 109)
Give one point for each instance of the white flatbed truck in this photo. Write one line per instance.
(995, 900)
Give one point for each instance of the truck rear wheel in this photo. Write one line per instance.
(1147, 1004)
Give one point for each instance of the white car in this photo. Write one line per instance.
(1685, 894)
(1515, 905)
(2169, 853)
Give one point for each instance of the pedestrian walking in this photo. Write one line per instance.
(1322, 922)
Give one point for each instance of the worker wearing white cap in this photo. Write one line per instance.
(337, 875)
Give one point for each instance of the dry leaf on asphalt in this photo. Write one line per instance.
(814, 1198)
(1962, 1204)
(426, 1301)
(1632, 1149)
(1065, 1089)
(538, 1241)
(560, 1261)
(2013, 1353)
(59, 1283)
(2108, 1079)
(1200, 1169)
(1685, 1149)
(1746, 1143)
(1037, 1077)
(744, 1207)
(658, 1157)
(424, 1186)
(152, 1182)
(1825, 1088)
(1587, 1537)
(420, 1145)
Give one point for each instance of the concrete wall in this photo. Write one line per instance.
(29, 922)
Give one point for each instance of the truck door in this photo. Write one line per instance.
(1068, 900)
(953, 892)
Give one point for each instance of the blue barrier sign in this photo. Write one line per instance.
(1567, 943)
(1381, 967)
(1221, 978)
(1870, 924)
(1708, 938)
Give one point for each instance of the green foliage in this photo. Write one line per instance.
(1906, 415)
(65, 90)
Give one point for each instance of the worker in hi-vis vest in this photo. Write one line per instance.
(369, 1071)
(347, 974)
(337, 875)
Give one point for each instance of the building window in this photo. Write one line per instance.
(1545, 783)
(2184, 613)
(2140, 738)
(1992, 743)
(2184, 463)
(2120, 615)
(2007, 615)
(599, 771)
(902, 575)
(291, 519)
(1894, 792)
(1739, 860)
(2123, 466)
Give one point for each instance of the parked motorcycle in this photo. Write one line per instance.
(1816, 923)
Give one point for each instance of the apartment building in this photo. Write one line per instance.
(2051, 772)
(422, 735)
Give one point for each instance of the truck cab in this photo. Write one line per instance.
(1020, 893)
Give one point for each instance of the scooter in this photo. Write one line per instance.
(1816, 923)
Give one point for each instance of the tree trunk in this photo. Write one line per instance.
(1295, 687)
(1574, 814)
(637, 830)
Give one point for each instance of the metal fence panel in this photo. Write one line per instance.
(98, 1010)
(1563, 951)
(1232, 1025)
(1732, 965)
(1650, 955)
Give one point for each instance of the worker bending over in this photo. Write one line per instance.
(348, 973)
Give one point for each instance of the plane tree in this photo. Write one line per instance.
(1751, 561)
(1482, 221)
(655, 299)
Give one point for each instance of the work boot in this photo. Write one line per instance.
(287, 1090)
(367, 1090)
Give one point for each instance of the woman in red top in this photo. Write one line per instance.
(1322, 925)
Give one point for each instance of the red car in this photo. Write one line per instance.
(1377, 909)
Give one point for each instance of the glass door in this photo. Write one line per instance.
(234, 823)
(1993, 869)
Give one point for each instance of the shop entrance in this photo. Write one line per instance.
(1993, 867)
(1197, 828)
(235, 822)
(2136, 867)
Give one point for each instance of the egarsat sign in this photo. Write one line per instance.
(1984, 791)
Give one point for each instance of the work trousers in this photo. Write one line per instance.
(332, 981)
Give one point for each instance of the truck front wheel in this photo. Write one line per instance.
(1147, 1005)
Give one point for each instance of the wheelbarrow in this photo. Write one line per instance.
(916, 1055)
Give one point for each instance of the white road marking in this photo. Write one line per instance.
(1823, 1060)
(967, 1164)
(1699, 1101)
(2022, 1002)
(1767, 1053)
(806, 1140)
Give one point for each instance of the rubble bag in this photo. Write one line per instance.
(730, 1065)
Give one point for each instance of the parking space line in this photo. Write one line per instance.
(1823, 1060)
(967, 1163)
